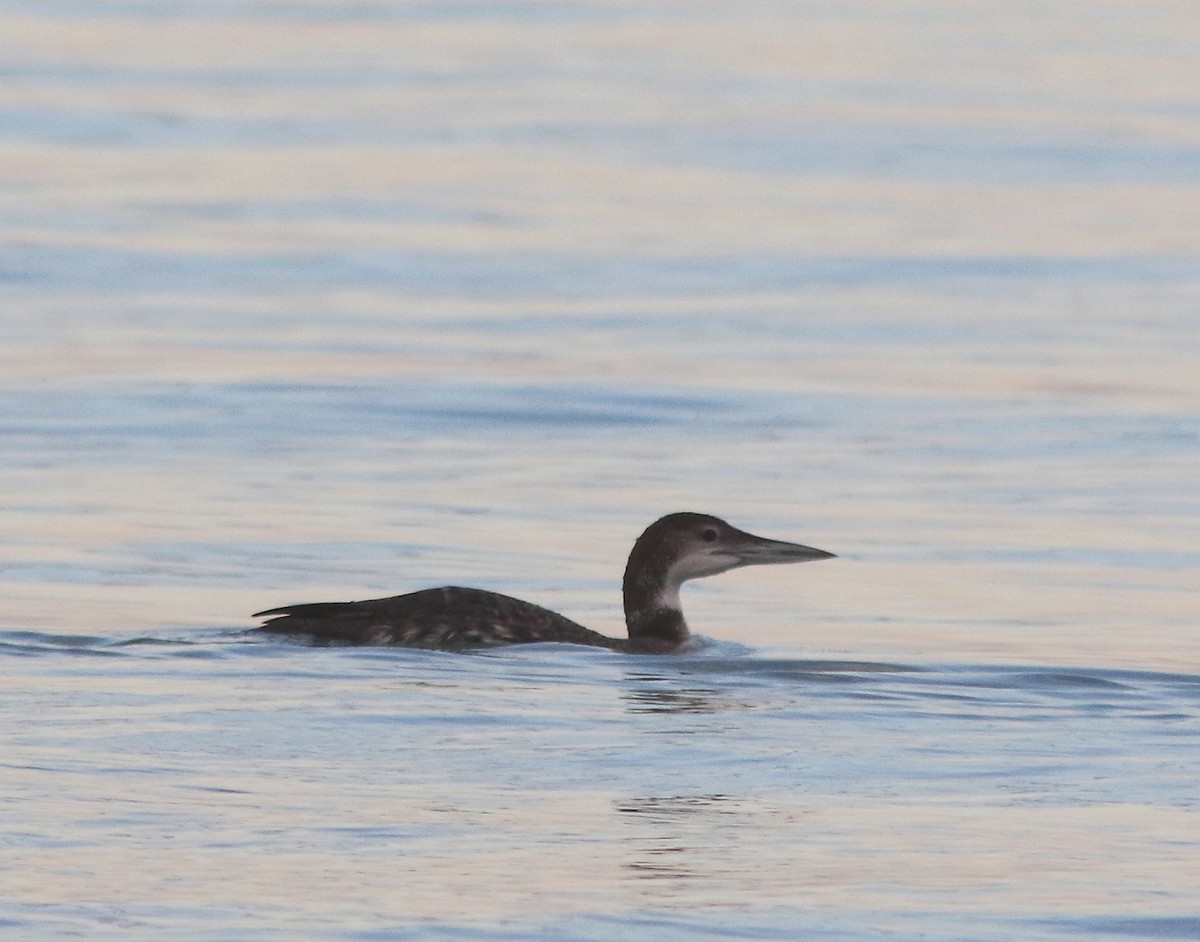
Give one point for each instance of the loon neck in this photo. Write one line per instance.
(657, 632)
(653, 614)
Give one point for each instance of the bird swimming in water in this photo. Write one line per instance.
(674, 549)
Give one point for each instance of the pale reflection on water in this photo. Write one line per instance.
(319, 300)
(296, 788)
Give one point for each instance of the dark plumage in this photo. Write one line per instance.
(449, 617)
(672, 550)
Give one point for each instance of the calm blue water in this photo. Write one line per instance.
(222, 788)
(318, 300)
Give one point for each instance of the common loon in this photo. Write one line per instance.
(674, 549)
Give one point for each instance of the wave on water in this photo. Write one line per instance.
(720, 666)
(34, 643)
(1127, 927)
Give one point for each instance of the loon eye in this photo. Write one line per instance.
(709, 535)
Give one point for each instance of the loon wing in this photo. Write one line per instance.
(448, 617)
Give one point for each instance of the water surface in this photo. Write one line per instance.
(318, 300)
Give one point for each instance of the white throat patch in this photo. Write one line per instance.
(693, 566)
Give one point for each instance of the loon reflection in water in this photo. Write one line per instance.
(674, 549)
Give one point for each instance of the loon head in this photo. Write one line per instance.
(684, 546)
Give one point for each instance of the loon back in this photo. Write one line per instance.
(672, 550)
(449, 617)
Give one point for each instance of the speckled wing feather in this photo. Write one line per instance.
(448, 617)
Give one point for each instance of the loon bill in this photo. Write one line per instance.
(674, 549)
